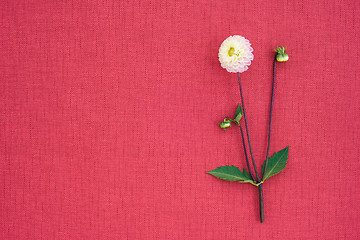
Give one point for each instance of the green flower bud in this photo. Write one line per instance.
(225, 124)
(281, 55)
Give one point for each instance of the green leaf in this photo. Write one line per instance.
(276, 163)
(231, 173)
(248, 176)
(239, 113)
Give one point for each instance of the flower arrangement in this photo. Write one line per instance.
(235, 55)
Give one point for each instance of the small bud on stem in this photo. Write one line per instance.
(281, 55)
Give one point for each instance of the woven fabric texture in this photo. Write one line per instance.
(109, 114)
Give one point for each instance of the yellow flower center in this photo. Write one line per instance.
(231, 51)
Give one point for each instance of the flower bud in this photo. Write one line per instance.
(281, 55)
(225, 124)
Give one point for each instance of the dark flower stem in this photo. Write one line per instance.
(261, 199)
(247, 129)
(271, 109)
(261, 203)
(246, 156)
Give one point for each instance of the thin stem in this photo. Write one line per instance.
(271, 109)
(261, 203)
(247, 129)
(246, 156)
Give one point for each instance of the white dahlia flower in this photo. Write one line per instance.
(235, 54)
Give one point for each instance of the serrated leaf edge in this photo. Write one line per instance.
(240, 181)
(262, 167)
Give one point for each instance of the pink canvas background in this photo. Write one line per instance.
(109, 114)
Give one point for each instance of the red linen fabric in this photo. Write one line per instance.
(110, 111)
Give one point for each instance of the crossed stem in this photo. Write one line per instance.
(247, 131)
(259, 181)
(246, 156)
